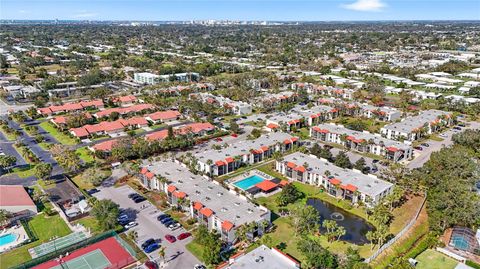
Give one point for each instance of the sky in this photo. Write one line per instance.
(270, 10)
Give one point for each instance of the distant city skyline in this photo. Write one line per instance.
(269, 10)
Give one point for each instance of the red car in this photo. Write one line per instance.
(218, 139)
(183, 236)
(234, 135)
(151, 265)
(170, 238)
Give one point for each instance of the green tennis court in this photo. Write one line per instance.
(56, 244)
(92, 260)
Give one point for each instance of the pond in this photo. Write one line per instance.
(355, 226)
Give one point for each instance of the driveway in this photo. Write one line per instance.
(424, 155)
(148, 226)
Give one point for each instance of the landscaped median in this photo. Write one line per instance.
(58, 135)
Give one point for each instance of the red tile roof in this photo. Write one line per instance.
(266, 185)
(105, 146)
(149, 175)
(392, 149)
(300, 169)
(227, 225)
(351, 188)
(125, 99)
(124, 110)
(196, 128)
(14, 195)
(143, 171)
(164, 115)
(207, 212)
(229, 160)
(160, 135)
(283, 183)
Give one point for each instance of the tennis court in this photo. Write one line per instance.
(57, 244)
(91, 260)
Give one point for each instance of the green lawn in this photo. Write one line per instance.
(371, 125)
(431, 259)
(303, 133)
(61, 137)
(44, 145)
(91, 223)
(9, 136)
(44, 228)
(85, 154)
(157, 126)
(23, 172)
(196, 249)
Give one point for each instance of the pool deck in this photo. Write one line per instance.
(19, 233)
(254, 172)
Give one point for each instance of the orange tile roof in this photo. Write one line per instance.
(171, 188)
(283, 183)
(264, 148)
(207, 212)
(219, 163)
(266, 185)
(335, 181)
(227, 225)
(286, 142)
(272, 126)
(149, 175)
(392, 149)
(291, 165)
(143, 171)
(160, 135)
(351, 188)
(105, 146)
(197, 205)
(229, 160)
(300, 169)
(179, 194)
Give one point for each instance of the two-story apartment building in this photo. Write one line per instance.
(415, 127)
(347, 184)
(205, 200)
(228, 159)
(236, 107)
(362, 141)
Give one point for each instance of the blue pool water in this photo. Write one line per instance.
(6, 239)
(248, 182)
(460, 242)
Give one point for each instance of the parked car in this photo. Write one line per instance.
(170, 238)
(152, 247)
(218, 139)
(375, 161)
(457, 128)
(443, 135)
(148, 242)
(139, 199)
(151, 265)
(131, 195)
(418, 148)
(183, 236)
(122, 217)
(174, 226)
(165, 220)
(162, 216)
(199, 266)
(235, 135)
(425, 145)
(92, 191)
(131, 224)
(135, 196)
(170, 222)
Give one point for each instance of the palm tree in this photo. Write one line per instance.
(133, 235)
(161, 253)
(4, 216)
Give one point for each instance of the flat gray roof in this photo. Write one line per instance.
(242, 147)
(262, 258)
(368, 184)
(227, 205)
(338, 129)
(411, 123)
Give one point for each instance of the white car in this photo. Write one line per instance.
(174, 226)
(130, 225)
(199, 266)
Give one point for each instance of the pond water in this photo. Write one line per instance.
(355, 226)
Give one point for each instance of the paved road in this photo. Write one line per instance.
(149, 227)
(5, 108)
(437, 145)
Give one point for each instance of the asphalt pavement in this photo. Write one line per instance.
(145, 214)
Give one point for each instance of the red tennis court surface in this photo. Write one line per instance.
(111, 249)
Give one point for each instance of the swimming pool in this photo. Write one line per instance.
(7, 239)
(460, 242)
(248, 182)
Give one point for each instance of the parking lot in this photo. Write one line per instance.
(145, 214)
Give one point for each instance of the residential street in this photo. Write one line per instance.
(148, 226)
